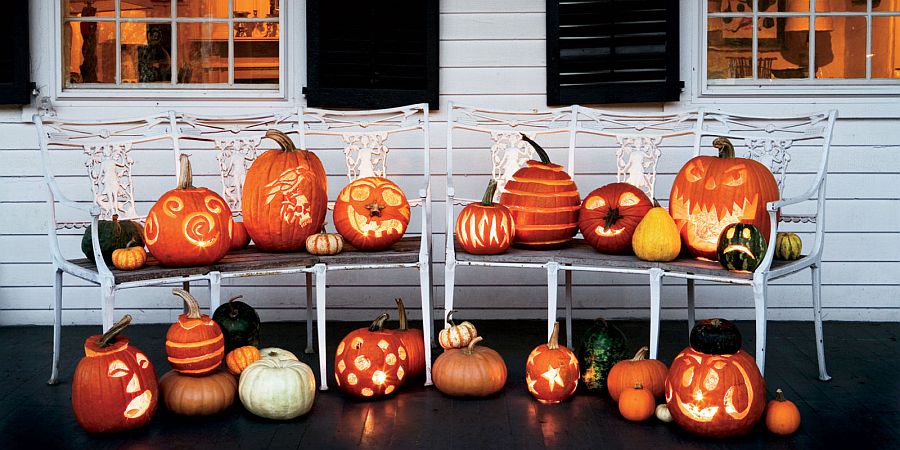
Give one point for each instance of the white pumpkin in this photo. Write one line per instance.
(277, 353)
(663, 414)
(277, 389)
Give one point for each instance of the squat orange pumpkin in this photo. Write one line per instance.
(610, 214)
(371, 213)
(636, 404)
(649, 373)
(195, 344)
(413, 340)
(129, 258)
(371, 362)
(551, 371)
(485, 228)
(782, 416)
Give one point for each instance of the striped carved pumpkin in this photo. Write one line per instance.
(544, 202)
(195, 344)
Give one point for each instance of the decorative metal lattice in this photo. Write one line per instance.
(636, 160)
(508, 154)
(109, 167)
(773, 153)
(235, 157)
(366, 154)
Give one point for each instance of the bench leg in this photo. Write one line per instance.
(215, 291)
(760, 286)
(569, 308)
(690, 304)
(427, 318)
(108, 307)
(655, 309)
(309, 314)
(552, 288)
(57, 326)
(449, 284)
(817, 317)
(320, 325)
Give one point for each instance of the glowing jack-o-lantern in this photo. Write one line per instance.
(188, 226)
(371, 362)
(551, 371)
(610, 214)
(195, 344)
(114, 387)
(371, 213)
(485, 228)
(709, 193)
(285, 196)
(741, 247)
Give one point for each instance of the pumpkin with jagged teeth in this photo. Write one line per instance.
(371, 213)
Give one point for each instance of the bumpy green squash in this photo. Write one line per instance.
(114, 234)
(788, 246)
(602, 347)
(741, 247)
(239, 323)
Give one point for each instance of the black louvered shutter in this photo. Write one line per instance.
(372, 54)
(14, 56)
(612, 51)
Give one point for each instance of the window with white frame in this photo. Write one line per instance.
(166, 44)
(802, 43)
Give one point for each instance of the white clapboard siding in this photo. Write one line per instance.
(492, 53)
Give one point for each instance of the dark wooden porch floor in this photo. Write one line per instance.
(859, 408)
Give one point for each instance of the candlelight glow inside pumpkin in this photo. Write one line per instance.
(371, 362)
(485, 228)
(371, 213)
(610, 214)
(551, 371)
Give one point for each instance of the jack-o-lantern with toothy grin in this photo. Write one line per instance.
(371, 213)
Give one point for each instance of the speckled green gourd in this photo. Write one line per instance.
(602, 347)
(742, 247)
(114, 234)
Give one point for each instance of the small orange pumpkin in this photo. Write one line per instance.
(782, 416)
(238, 359)
(650, 373)
(130, 258)
(636, 404)
(239, 237)
(412, 339)
(474, 371)
(485, 228)
(323, 243)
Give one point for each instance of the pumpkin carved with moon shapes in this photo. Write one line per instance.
(188, 226)
(551, 371)
(371, 362)
(114, 387)
(610, 214)
(371, 213)
(709, 193)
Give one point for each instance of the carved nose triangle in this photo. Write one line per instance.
(710, 184)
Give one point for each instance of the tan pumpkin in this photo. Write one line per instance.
(323, 243)
(656, 238)
(238, 359)
(130, 258)
(649, 373)
(198, 396)
(475, 371)
(456, 336)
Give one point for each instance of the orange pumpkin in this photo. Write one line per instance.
(371, 362)
(485, 228)
(649, 373)
(239, 237)
(710, 193)
(636, 404)
(474, 371)
(285, 196)
(551, 371)
(114, 387)
(129, 258)
(371, 213)
(188, 226)
(544, 202)
(238, 359)
(782, 416)
(195, 344)
(413, 340)
(610, 214)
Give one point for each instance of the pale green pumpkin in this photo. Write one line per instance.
(277, 389)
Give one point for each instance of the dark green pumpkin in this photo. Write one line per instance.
(716, 337)
(602, 347)
(114, 234)
(741, 247)
(239, 323)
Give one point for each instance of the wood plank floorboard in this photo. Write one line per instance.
(859, 408)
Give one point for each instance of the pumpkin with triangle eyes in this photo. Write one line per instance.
(114, 387)
(610, 214)
(371, 213)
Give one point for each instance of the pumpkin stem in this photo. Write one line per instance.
(656, 203)
(110, 336)
(488, 199)
(726, 148)
(638, 386)
(374, 209)
(545, 158)
(185, 178)
(553, 343)
(233, 313)
(641, 354)
(450, 318)
(193, 308)
(401, 314)
(611, 218)
(471, 348)
(779, 395)
(378, 323)
(284, 141)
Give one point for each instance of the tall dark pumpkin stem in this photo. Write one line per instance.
(378, 323)
(545, 158)
(233, 313)
(726, 148)
(488, 199)
(110, 336)
(284, 141)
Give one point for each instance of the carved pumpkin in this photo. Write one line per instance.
(194, 344)
(324, 243)
(656, 238)
(636, 403)
(456, 336)
(198, 396)
(239, 323)
(188, 226)
(710, 193)
(371, 362)
(113, 234)
(413, 340)
(285, 196)
(715, 395)
(474, 371)
(551, 371)
(782, 416)
(239, 237)
(602, 347)
(485, 228)
(649, 373)
(610, 214)
(278, 389)
(238, 359)
(114, 387)
(544, 202)
(788, 246)
(371, 213)
(741, 247)
(130, 258)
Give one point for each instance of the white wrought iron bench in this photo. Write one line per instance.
(630, 147)
(229, 144)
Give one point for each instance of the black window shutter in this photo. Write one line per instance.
(14, 56)
(371, 54)
(612, 51)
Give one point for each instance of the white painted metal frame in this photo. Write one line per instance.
(363, 136)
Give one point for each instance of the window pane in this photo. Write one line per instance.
(203, 8)
(841, 47)
(728, 55)
(261, 9)
(842, 5)
(89, 49)
(792, 56)
(886, 5)
(154, 59)
(81, 8)
(203, 53)
(733, 6)
(886, 47)
(133, 36)
(130, 8)
(256, 60)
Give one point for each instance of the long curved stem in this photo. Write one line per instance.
(284, 141)
(110, 336)
(545, 158)
(193, 307)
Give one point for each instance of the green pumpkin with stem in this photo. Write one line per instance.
(239, 323)
(742, 247)
(114, 234)
(602, 347)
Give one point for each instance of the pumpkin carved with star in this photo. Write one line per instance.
(371, 213)
(551, 371)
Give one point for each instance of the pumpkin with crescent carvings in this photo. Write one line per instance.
(371, 213)
(188, 226)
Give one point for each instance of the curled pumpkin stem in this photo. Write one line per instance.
(111, 334)
(193, 307)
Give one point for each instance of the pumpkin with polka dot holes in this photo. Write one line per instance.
(371, 362)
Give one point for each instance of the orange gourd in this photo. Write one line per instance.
(198, 396)
(371, 362)
(456, 336)
(782, 416)
(239, 237)
(195, 344)
(238, 359)
(636, 404)
(485, 228)
(371, 213)
(551, 371)
(610, 214)
(649, 373)
(130, 258)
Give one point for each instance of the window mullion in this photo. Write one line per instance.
(118, 25)
(869, 40)
(231, 43)
(173, 47)
(812, 40)
(754, 53)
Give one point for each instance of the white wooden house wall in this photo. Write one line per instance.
(492, 53)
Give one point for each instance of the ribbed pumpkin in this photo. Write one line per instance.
(656, 238)
(324, 243)
(278, 389)
(239, 237)
(710, 193)
(551, 371)
(485, 228)
(788, 246)
(544, 202)
(130, 258)
(285, 196)
(741, 247)
(371, 362)
(198, 396)
(609, 216)
(649, 373)
(238, 359)
(194, 344)
(474, 371)
(188, 226)
(456, 336)
(371, 213)
(113, 234)
(412, 339)
(782, 415)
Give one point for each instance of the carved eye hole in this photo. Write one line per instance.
(711, 380)
(628, 199)
(391, 197)
(730, 233)
(118, 369)
(595, 202)
(142, 360)
(746, 233)
(696, 172)
(360, 193)
(734, 177)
